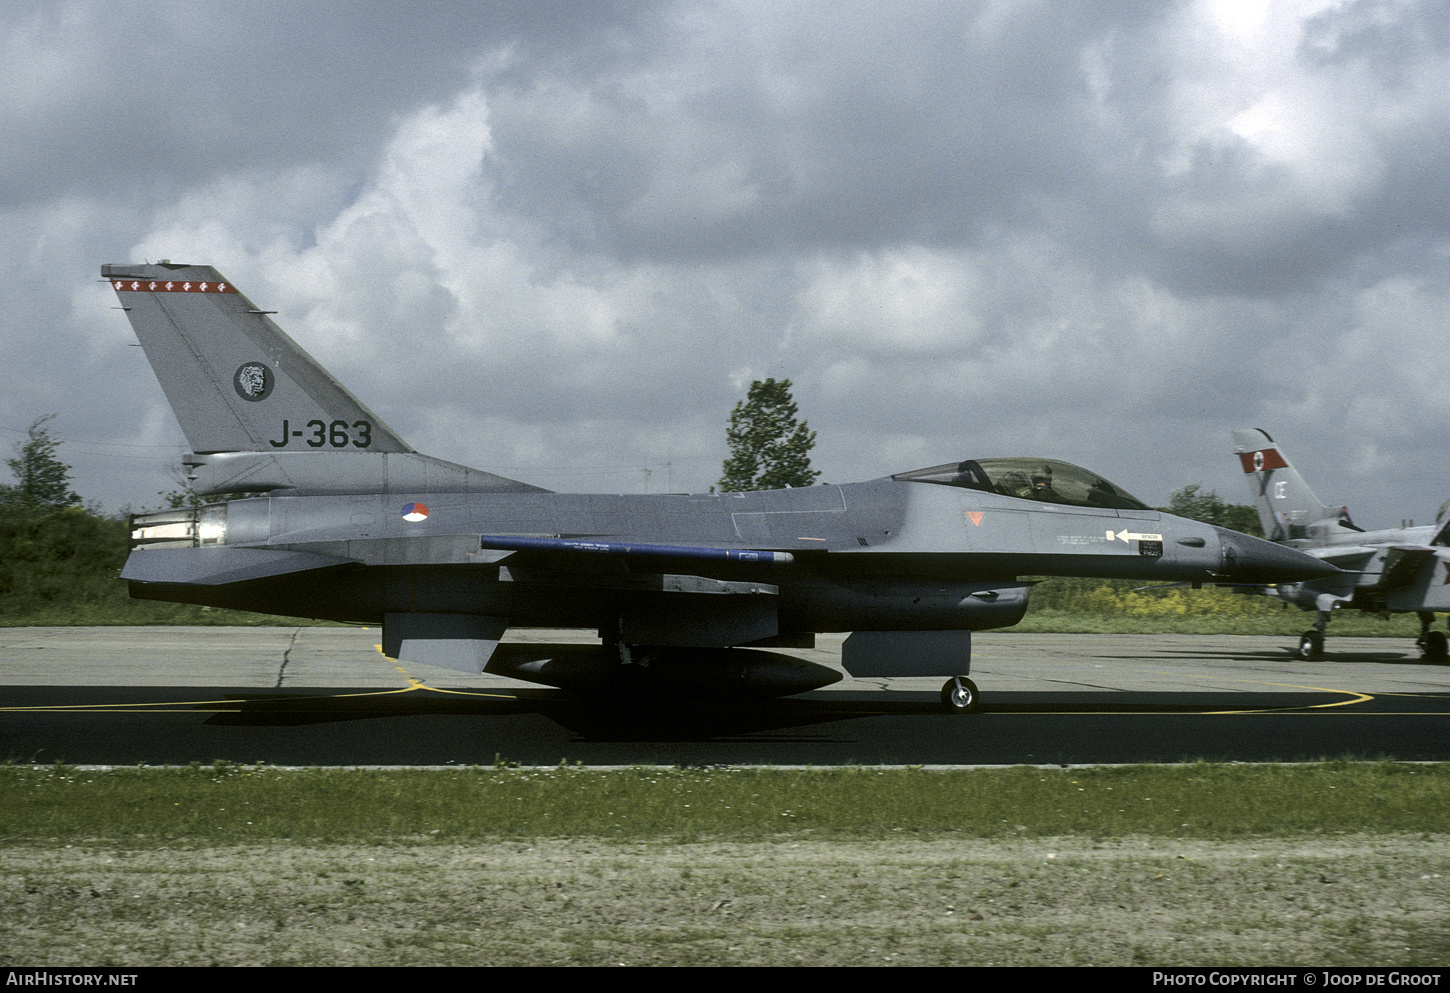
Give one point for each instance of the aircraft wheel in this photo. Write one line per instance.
(1311, 645)
(960, 696)
(1435, 648)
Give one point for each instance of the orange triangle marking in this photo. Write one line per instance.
(976, 516)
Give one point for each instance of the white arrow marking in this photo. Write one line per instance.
(1129, 536)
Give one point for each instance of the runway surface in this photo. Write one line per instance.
(326, 696)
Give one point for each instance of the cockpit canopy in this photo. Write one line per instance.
(1047, 480)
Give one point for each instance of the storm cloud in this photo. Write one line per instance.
(558, 240)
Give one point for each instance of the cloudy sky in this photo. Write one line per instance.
(558, 240)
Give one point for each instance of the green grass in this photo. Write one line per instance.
(122, 611)
(1288, 623)
(231, 802)
(1064, 605)
(1339, 864)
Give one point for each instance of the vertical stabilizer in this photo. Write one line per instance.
(1287, 506)
(236, 382)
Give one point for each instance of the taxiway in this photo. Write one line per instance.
(326, 696)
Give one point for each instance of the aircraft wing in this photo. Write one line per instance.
(1404, 562)
(1350, 558)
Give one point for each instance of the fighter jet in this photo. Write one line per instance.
(689, 592)
(1395, 570)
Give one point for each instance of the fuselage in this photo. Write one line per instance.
(1393, 569)
(882, 555)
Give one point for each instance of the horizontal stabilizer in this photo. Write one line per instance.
(219, 565)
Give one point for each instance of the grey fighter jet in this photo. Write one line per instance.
(686, 591)
(1395, 570)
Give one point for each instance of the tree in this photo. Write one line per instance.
(769, 448)
(182, 494)
(42, 480)
(1210, 508)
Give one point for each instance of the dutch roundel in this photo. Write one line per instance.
(415, 512)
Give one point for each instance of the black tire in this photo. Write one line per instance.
(960, 696)
(1436, 648)
(1311, 645)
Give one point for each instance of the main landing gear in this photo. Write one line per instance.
(1311, 643)
(960, 696)
(1434, 646)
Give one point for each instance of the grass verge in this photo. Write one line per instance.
(231, 802)
(1332, 865)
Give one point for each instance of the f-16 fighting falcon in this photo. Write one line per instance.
(1394, 570)
(690, 592)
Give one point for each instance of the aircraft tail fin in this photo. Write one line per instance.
(1287, 506)
(236, 382)
(260, 413)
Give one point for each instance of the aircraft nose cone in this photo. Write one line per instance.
(1254, 560)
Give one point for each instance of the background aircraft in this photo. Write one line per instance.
(685, 591)
(1396, 570)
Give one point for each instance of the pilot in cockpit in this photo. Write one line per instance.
(1037, 486)
(1042, 486)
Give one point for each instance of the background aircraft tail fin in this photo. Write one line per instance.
(1287, 506)
(236, 382)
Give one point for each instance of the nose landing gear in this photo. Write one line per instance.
(960, 696)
